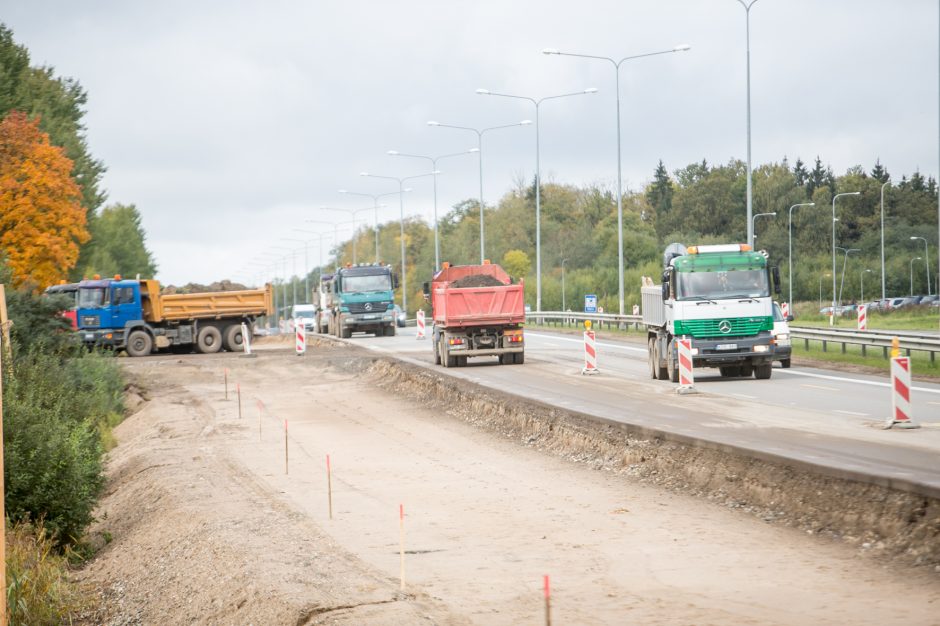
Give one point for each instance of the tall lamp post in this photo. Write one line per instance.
(284, 255)
(861, 284)
(401, 211)
(320, 235)
(480, 132)
(352, 214)
(375, 201)
(912, 273)
(926, 260)
(747, 19)
(883, 296)
(754, 221)
(306, 269)
(434, 160)
(563, 262)
(821, 276)
(834, 198)
(538, 179)
(616, 64)
(790, 238)
(845, 260)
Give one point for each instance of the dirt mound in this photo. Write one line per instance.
(477, 280)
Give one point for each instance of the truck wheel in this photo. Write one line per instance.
(763, 371)
(728, 371)
(461, 361)
(661, 372)
(344, 331)
(785, 363)
(232, 339)
(672, 368)
(746, 370)
(446, 357)
(390, 330)
(209, 340)
(651, 351)
(139, 343)
(437, 353)
(518, 358)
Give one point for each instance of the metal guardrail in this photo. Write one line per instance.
(916, 342)
(575, 319)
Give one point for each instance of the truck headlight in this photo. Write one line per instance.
(783, 337)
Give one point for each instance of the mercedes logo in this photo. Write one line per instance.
(724, 326)
(368, 307)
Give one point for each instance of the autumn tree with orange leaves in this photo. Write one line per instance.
(42, 221)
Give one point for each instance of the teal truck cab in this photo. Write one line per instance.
(361, 298)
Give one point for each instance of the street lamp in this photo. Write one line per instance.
(926, 260)
(375, 202)
(883, 296)
(563, 261)
(352, 214)
(306, 269)
(861, 282)
(479, 133)
(821, 276)
(747, 19)
(845, 260)
(292, 252)
(616, 64)
(401, 211)
(754, 219)
(790, 255)
(847, 193)
(335, 226)
(538, 179)
(434, 160)
(912, 274)
(320, 235)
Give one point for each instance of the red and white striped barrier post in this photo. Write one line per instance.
(686, 377)
(590, 350)
(863, 317)
(246, 341)
(420, 324)
(301, 343)
(900, 394)
(785, 309)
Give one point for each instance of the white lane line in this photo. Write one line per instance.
(849, 380)
(823, 387)
(745, 396)
(600, 343)
(932, 402)
(850, 412)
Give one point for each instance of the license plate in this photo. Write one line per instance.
(369, 317)
(726, 346)
(89, 336)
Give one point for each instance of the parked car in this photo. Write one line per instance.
(400, 317)
(781, 333)
(899, 303)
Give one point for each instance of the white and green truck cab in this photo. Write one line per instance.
(719, 296)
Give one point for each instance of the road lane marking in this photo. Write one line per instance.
(850, 380)
(745, 396)
(850, 412)
(823, 387)
(600, 343)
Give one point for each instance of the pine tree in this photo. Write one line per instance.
(880, 173)
(917, 182)
(659, 195)
(800, 173)
(817, 178)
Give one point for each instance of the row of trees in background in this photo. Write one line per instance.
(698, 203)
(52, 224)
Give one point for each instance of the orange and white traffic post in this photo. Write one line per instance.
(785, 309)
(900, 394)
(590, 350)
(863, 317)
(246, 341)
(420, 324)
(686, 376)
(300, 345)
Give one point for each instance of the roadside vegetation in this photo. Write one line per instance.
(922, 318)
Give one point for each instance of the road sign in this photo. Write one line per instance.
(590, 303)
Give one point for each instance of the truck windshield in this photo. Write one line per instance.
(91, 297)
(722, 285)
(376, 282)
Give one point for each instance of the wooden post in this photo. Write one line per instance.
(226, 383)
(6, 351)
(329, 485)
(238, 390)
(548, 603)
(401, 542)
(285, 446)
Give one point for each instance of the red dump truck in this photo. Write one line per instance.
(477, 311)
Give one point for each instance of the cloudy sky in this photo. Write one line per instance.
(229, 124)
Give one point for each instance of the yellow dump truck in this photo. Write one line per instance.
(133, 315)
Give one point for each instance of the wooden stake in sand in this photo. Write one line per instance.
(329, 486)
(238, 390)
(225, 375)
(548, 603)
(260, 412)
(285, 446)
(401, 542)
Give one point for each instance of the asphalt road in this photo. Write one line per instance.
(821, 417)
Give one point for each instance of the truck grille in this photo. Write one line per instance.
(740, 327)
(89, 321)
(373, 307)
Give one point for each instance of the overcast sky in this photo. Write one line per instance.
(230, 123)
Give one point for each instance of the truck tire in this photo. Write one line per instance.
(232, 339)
(672, 368)
(518, 358)
(785, 363)
(651, 352)
(461, 361)
(763, 371)
(344, 331)
(661, 372)
(209, 340)
(139, 343)
(729, 371)
(446, 357)
(746, 370)
(390, 330)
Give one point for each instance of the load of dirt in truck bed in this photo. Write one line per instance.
(477, 280)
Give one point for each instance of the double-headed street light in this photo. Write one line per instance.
(912, 274)
(401, 211)
(845, 260)
(480, 132)
(790, 255)
(538, 179)
(375, 202)
(747, 18)
(433, 160)
(926, 260)
(834, 198)
(617, 64)
(352, 214)
(320, 235)
(861, 283)
(754, 221)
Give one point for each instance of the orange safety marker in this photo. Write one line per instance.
(548, 602)
(785, 309)
(590, 350)
(401, 542)
(686, 376)
(900, 394)
(420, 324)
(300, 345)
(329, 485)
(862, 317)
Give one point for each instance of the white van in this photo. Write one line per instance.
(781, 333)
(307, 314)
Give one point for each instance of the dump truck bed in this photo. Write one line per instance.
(654, 313)
(209, 305)
(455, 307)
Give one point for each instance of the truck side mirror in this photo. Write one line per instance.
(775, 273)
(665, 285)
(394, 281)
(426, 289)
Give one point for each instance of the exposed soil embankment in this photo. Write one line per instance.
(874, 518)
